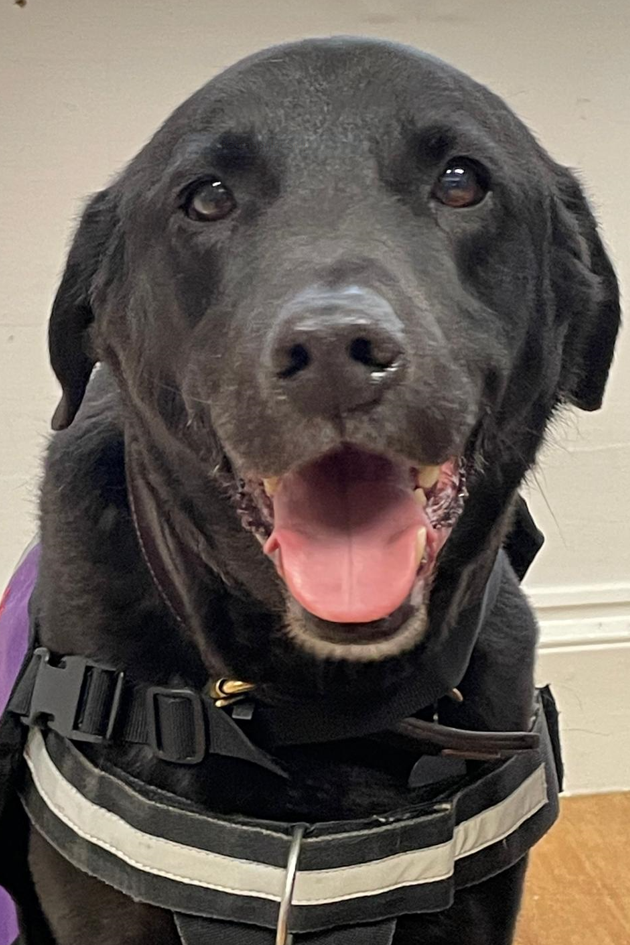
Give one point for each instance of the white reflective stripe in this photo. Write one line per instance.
(432, 863)
(144, 851)
(186, 864)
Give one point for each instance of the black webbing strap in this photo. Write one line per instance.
(195, 930)
(86, 701)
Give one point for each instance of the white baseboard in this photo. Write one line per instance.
(570, 596)
(584, 653)
(584, 631)
(595, 613)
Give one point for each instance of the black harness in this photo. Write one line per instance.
(490, 797)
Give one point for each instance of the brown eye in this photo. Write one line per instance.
(209, 201)
(462, 183)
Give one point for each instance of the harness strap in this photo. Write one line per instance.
(86, 701)
(89, 702)
(163, 851)
(459, 742)
(194, 930)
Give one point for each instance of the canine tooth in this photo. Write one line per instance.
(421, 541)
(428, 476)
(271, 485)
(420, 497)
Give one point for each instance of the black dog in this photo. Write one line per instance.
(337, 300)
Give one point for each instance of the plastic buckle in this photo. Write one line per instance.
(59, 693)
(155, 729)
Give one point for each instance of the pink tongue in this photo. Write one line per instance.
(345, 536)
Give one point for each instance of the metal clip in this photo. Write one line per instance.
(226, 692)
(283, 936)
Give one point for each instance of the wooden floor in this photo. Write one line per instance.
(578, 889)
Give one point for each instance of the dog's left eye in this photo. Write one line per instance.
(208, 201)
(462, 183)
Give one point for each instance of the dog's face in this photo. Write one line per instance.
(348, 279)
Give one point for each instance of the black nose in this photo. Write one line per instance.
(335, 350)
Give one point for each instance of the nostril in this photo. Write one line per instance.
(330, 351)
(297, 358)
(366, 352)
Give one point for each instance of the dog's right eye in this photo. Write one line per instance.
(208, 201)
(462, 183)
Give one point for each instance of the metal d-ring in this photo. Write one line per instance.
(283, 936)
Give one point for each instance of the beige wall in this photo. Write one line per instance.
(83, 83)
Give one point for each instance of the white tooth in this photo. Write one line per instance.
(421, 541)
(271, 485)
(428, 476)
(420, 497)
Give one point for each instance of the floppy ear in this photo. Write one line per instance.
(587, 295)
(72, 316)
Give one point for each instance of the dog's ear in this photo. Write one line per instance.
(587, 295)
(68, 333)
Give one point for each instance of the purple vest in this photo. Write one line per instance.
(14, 635)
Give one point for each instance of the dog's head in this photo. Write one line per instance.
(349, 281)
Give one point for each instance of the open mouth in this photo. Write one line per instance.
(356, 535)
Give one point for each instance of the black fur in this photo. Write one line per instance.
(509, 309)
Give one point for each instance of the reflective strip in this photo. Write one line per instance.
(431, 864)
(188, 865)
(141, 850)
